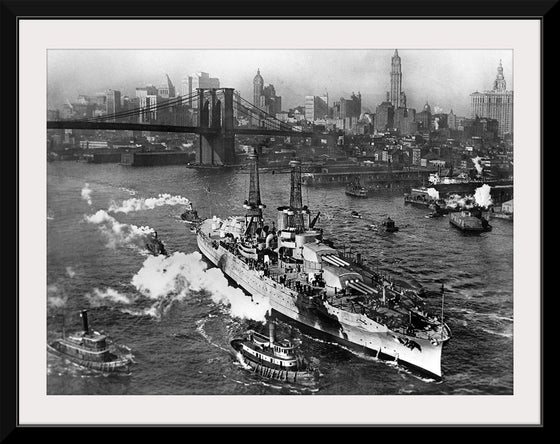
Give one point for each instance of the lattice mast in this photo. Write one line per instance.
(300, 214)
(253, 205)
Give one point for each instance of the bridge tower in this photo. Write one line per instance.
(215, 120)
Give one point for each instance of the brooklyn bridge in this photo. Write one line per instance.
(216, 117)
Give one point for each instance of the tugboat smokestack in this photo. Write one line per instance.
(271, 332)
(85, 325)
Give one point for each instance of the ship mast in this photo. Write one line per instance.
(253, 205)
(300, 216)
(442, 299)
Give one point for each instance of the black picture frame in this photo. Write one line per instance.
(13, 11)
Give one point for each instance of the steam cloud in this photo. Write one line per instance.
(99, 297)
(86, 193)
(482, 196)
(54, 299)
(457, 201)
(120, 234)
(477, 165)
(433, 193)
(170, 278)
(149, 203)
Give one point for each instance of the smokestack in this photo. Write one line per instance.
(295, 194)
(271, 332)
(85, 325)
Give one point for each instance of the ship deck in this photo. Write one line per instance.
(398, 310)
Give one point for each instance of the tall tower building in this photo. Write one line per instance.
(396, 80)
(495, 104)
(113, 102)
(258, 84)
(166, 89)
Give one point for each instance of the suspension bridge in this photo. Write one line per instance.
(217, 115)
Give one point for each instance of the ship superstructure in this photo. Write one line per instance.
(308, 280)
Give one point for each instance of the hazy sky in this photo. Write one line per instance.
(444, 78)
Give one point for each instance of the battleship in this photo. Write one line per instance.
(330, 293)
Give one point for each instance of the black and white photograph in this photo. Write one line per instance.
(280, 222)
(282, 226)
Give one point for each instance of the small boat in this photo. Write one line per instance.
(91, 349)
(273, 359)
(471, 221)
(356, 190)
(190, 216)
(155, 246)
(356, 215)
(389, 226)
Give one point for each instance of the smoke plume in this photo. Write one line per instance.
(477, 165)
(56, 297)
(169, 278)
(482, 196)
(119, 234)
(100, 297)
(458, 201)
(149, 203)
(86, 193)
(433, 193)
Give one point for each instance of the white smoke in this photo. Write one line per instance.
(436, 123)
(482, 196)
(149, 203)
(169, 278)
(476, 160)
(433, 193)
(70, 272)
(119, 234)
(458, 201)
(86, 193)
(56, 297)
(99, 297)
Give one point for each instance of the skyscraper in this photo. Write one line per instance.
(384, 115)
(316, 108)
(495, 104)
(264, 97)
(113, 101)
(258, 84)
(189, 84)
(147, 101)
(396, 80)
(166, 89)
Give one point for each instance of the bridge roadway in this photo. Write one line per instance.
(120, 126)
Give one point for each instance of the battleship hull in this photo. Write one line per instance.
(354, 330)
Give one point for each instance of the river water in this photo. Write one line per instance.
(178, 318)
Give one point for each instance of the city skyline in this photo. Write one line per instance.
(444, 78)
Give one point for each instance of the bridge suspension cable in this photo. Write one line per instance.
(269, 117)
(144, 110)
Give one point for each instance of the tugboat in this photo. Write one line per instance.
(273, 359)
(387, 226)
(356, 190)
(190, 216)
(155, 246)
(356, 215)
(471, 221)
(92, 349)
